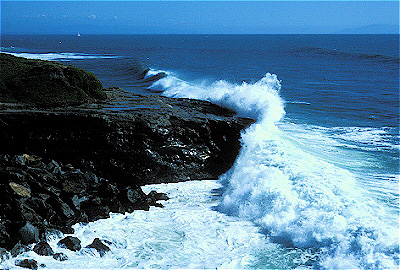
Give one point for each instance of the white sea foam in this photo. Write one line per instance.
(186, 234)
(299, 197)
(59, 56)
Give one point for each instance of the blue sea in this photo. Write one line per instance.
(316, 184)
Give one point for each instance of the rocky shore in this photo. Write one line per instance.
(72, 152)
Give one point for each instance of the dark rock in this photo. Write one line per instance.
(53, 167)
(71, 243)
(128, 139)
(76, 200)
(158, 139)
(74, 187)
(27, 263)
(60, 257)
(133, 195)
(158, 196)
(43, 248)
(18, 249)
(4, 255)
(4, 235)
(19, 160)
(97, 212)
(115, 205)
(28, 234)
(99, 246)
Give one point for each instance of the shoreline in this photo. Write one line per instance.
(87, 158)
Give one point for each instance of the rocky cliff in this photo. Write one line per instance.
(83, 161)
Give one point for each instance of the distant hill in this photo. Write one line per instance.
(371, 29)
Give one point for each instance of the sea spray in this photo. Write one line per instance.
(300, 199)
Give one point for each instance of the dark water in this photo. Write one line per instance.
(340, 92)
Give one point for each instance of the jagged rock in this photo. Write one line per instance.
(19, 160)
(18, 249)
(60, 257)
(99, 246)
(69, 152)
(97, 212)
(53, 167)
(28, 234)
(71, 243)
(27, 263)
(43, 248)
(157, 139)
(77, 201)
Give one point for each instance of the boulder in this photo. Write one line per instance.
(28, 234)
(60, 257)
(27, 263)
(71, 243)
(43, 248)
(18, 249)
(99, 246)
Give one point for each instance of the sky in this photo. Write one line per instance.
(199, 17)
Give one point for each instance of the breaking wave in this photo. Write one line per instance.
(301, 199)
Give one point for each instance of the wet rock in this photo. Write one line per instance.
(81, 162)
(133, 195)
(60, 257)
(4, 255)
(154, 195)
(43, 248)
(158, 139)
(97, 212)
(28, 234)
(99, 246)
(50, 234)
(27, 263)
(18, 249)
(71, 243)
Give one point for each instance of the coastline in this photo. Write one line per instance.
(80, 159)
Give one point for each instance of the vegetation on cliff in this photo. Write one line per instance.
(46, 83)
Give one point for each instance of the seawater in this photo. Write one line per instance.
(316, 182)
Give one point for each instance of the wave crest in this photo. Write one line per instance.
(299, 199)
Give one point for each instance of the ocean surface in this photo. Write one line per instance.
(316, 185)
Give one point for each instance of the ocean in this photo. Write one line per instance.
(316, 184)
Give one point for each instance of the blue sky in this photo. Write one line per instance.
(198, 17)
